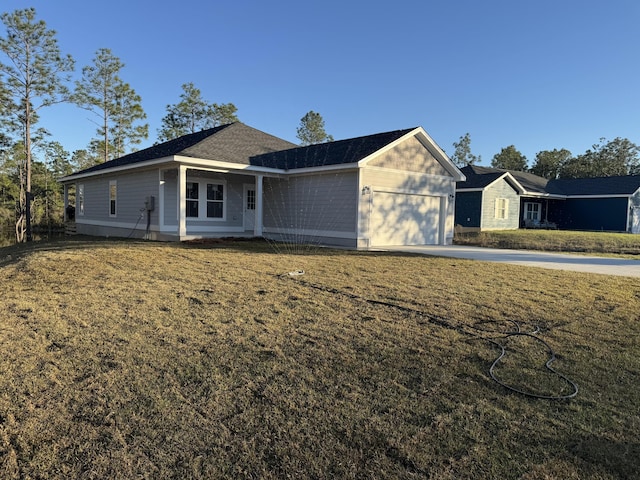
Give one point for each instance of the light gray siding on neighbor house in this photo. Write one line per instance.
(492, 209)
(312, 207)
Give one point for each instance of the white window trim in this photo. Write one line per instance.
(202, 199)
(538, 212)
(113, 183)
(502, 208)
(80, 199)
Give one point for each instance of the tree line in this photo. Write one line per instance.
(604, 159)
(35, 75)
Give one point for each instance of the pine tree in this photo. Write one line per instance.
(311, 129)
(35, 76)
(114, 102)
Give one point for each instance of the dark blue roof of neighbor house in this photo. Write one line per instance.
(330, 153)
(620, 185)
(479, 177)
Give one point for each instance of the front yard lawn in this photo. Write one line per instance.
(141, 360)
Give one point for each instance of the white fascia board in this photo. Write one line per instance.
(224, 166)
(424, 137)
(107, 171)
(618, 195)
(321, 169)
(478, 189)
(528, 194)
(200, 163)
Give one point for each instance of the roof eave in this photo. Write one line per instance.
(120, 168)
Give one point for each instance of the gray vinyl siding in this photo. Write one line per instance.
(170, 198)
(132, 189)
(325, 202)
(500, 189)
(233, 184)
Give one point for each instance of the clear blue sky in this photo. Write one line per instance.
(538, 74)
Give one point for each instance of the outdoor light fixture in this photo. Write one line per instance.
(366, 189)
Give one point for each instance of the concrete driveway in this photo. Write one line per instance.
(530, 258)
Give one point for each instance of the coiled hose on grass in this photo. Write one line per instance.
(443, 322)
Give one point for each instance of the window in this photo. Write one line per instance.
(251, 199)
(81, 199)
(532, 211)
(205, 200)
(113, 197)
(502, 208)
(215, 200)
(192, 199)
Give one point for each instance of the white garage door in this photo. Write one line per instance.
(403, 219)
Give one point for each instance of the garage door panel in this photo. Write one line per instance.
(404, 219)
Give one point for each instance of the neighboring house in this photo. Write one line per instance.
(604, 203)
(393, 188)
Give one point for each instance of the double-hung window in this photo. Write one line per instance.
(113, 197)
(80, 199)
(205, 199)
(193, 193)
(532, 211)
(502, 208)
(215, 200)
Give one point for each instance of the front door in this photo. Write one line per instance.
(249, 213)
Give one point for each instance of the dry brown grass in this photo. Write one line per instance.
(140, 360)
(557, 241)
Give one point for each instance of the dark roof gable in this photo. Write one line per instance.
(478, 177)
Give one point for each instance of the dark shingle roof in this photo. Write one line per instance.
(621, 185)
(234, 143)
(530, 182)
(330, 153)
(478, 177)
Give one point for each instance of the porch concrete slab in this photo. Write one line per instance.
(530, 258)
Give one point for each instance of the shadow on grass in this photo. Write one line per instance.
(619, 458)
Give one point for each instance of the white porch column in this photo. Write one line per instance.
(259, 206)
(182, 202)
